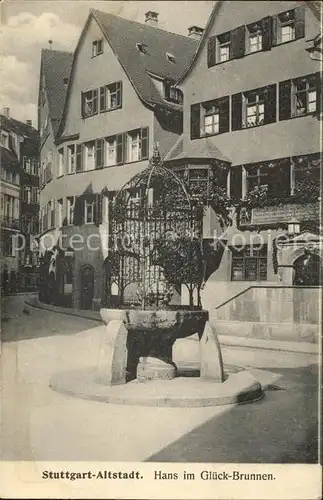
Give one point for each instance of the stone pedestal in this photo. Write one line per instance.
(111, 369)
(153, 368)
(210, 355)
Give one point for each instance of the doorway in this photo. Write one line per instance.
(87, 287)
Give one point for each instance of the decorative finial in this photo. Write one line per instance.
(156, 153)
(50, 44)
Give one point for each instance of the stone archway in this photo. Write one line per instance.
(307, 269)
(292, 250)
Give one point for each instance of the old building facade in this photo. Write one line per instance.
(253, 107)
(19, 203)
(101, 110)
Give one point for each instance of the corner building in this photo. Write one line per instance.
(101, 110)
(253, 100)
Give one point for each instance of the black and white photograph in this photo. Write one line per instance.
(161, 249)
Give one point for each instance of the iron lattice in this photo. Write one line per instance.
(155, 242)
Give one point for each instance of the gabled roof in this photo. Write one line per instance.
(314, 6)
(197, 150)
(124, 36)
(55, 66)
(20, 128)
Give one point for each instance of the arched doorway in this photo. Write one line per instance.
(307, 269)
(87, 287)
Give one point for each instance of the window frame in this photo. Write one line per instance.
(97, 47)
(310, 87)
(225, 43)
(108, 148)
(256, 255)
(105, 96)
(256, 104)
(258, 30)
(89, 98)
(85, 147)
(87, 205)
(61, 162)
(70, 207)
(71, 156)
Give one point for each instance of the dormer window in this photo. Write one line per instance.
(172, 93)
(170, 57)
(142, 47)
(97, 47)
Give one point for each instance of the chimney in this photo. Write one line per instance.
(29, 122)
(151, 18)
(6, 112)
(195, 32)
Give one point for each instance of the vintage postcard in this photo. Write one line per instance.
(161, 249)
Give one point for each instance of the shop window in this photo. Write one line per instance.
(249, 263)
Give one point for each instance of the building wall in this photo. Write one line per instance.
(286, 61)
(295, 136)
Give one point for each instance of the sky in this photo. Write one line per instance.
(26, 26)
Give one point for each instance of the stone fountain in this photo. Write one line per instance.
(154, 250)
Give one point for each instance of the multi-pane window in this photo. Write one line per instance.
(60, 212)
(304, 95)
(306, 172)
(255, 108)
(133, 140)
(70, 209)
(4, 139)
(60, 162)
(254, 37)
(27, 164)
(273, 176)
(71, 159)
(224, 47)
(137, 145)
(52, 213)
(27, 194)
(111, 151)
(88, 212)
(111, 96)
(287, 26)
(249, 263)
(89, 155)
(97, 47)
(89, 103)
(211, 119)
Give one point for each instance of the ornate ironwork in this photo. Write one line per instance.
(155, 241)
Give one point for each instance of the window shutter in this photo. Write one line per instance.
(79, 158)
(299, 22)
(275, 30)
(236, 183)
(236, 110)
(79, 210)
(224, 115)
(285, 100)
(98, 209)
(270, 104)
(318, 94)
(238, 40)
(102, 99)
(195, 121)
(94, 101)
(99, 151)
(82, 105)
(144, 143)
(267, 35)
(119, 94)
(167, 89)
(119, 147)
(211, 51)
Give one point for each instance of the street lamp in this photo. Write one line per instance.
(293, 227)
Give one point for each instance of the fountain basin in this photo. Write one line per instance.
(152, 334)
(179, 323)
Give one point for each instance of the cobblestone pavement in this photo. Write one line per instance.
(39, 424)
